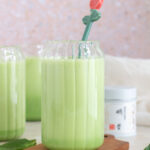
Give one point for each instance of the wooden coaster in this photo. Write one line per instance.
(110, 143)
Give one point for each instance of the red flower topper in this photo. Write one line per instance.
(96, 4)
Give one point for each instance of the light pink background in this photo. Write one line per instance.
(123, 30)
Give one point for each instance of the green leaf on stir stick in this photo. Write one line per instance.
(95, 15)
(19, 144)
(148, 147)
(86, 20)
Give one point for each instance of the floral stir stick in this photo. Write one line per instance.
(95, 15)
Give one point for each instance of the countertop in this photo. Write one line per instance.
(138, 142)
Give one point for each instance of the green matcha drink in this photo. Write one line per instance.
(33, 88)
(12, 95)
(73, 103)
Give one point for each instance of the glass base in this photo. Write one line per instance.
(33, 119)
(70, 149)
(12, 134)
(73, 147)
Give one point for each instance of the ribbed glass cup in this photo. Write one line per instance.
(12, 93)
(33, 55)
(72, 95)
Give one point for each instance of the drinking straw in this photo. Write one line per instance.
(95, 15)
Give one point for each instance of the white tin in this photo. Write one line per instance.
(120, 111)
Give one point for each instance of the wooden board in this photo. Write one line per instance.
(110, 143)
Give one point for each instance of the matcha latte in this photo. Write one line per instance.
(33, 88)
(12, 93)
(73, 103)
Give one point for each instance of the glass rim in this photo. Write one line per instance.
(14, 47)
(72, 41)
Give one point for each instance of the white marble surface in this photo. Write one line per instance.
(138, 142)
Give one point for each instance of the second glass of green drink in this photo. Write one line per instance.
(72, 95)
(33, 82)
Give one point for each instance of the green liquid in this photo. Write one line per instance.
(73, 104)
(12, 99)
(33, 89)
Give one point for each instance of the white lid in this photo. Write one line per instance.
(120, 93)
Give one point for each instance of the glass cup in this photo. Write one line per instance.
(33, 55)
(12, 93)
(72, 95)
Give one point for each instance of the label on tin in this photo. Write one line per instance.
(120, 118)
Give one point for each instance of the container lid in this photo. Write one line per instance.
(120, 93)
